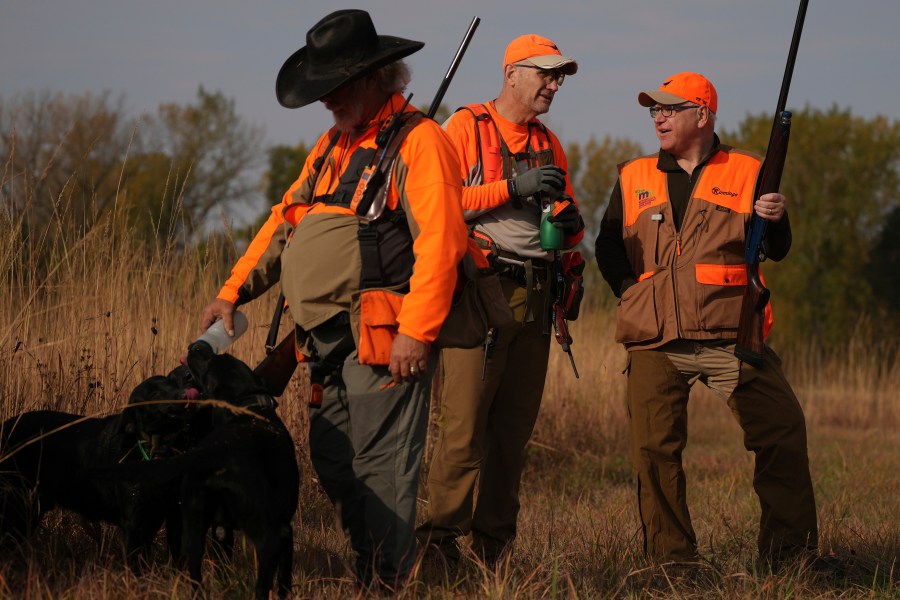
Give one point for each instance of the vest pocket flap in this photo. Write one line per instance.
(722, 274)
(379, 308)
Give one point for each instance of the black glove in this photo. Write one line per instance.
(568, 219)
(548, 179)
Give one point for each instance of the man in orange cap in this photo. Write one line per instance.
(368, 277)
(671, 248)
(511, 167)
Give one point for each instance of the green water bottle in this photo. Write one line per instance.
(551, 236)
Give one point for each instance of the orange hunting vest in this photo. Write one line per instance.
(497, 162)
(691, 281)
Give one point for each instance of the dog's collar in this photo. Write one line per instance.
(258, 401)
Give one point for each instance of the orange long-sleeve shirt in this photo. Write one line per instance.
(424, 181)
(485, 189)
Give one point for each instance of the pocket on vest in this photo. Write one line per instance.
(637, 318)
(378, 310)
(720, 291)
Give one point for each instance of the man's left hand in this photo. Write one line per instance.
(409, 358)
(770, 207)
(568, 219)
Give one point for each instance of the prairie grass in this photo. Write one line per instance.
(86, 315)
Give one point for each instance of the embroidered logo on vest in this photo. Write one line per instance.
(720, 192)
(645, 197)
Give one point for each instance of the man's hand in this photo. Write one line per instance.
(568, 219)
(216, 309)
(770, 206)
(548, 179)
(409, 358)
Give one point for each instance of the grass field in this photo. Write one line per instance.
(85, 316)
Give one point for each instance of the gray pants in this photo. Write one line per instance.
(366, 443)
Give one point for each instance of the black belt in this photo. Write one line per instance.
(527, 276)
(516, 272)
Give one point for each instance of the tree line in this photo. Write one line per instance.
(178, 173)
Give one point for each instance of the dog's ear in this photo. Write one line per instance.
(128, 421)
(198, 359)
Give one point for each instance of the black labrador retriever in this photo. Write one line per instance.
(242, 474)
(46, 458)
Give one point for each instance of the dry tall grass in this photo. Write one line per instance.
(84, 316)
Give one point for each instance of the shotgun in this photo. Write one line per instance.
(282, 356)
(454, 64)
(277, 368)
(750, 346)
(558, 311)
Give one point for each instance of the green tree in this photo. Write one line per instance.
(592, 169)
(883, 273)
(150, 199)
(211, 146)
(285, 164)
(442, 113)
(63, 154)
(70, 160)
(841, 179)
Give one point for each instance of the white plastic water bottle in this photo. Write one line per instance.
(216, 336)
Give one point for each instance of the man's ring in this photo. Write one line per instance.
(413, 370)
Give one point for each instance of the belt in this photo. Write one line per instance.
(518, 273)
(527, 275)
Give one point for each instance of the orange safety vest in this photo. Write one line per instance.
(498, 162)
(690, 281)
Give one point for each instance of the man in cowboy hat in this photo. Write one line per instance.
(365, 245)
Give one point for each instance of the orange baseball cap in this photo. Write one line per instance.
(683, 87)
(540, 52)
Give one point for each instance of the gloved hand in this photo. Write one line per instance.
(568, 219)
(548, 179)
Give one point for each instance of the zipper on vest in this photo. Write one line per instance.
(674, 271)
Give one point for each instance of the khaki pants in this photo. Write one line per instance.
(484, 427)
(659, 383)
(366, 442)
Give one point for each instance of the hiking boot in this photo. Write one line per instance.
(827, 566)
(442, 550)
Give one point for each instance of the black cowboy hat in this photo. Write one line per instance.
(339, 48)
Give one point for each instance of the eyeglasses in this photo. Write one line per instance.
(667, 110)
(548, 75)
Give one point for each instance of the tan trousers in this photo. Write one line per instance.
(659, 383)
(484, 427)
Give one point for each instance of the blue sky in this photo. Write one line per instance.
(155, 51)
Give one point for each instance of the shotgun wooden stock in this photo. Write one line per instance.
(277, 368)
(751, 344)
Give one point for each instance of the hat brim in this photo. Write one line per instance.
(564, 64)
(659, 97)
(296, 87)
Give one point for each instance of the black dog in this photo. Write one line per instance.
(46, 458)
(242, 474)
